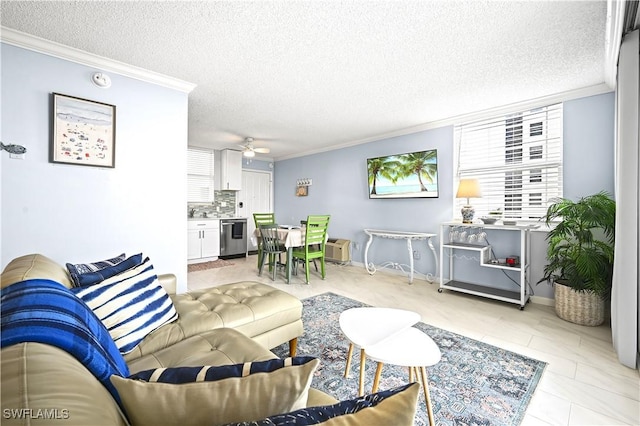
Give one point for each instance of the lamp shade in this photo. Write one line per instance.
(469, 188)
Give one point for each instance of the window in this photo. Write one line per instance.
(200, 175)
(535, 152)
(517, 159)
(535, 129)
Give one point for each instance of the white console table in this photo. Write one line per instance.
(450, 244)
(400, 235)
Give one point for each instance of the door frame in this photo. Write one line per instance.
(243, 196)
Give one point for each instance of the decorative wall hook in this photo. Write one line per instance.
(304, 182)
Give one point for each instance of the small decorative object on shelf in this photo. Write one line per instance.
(488, 220)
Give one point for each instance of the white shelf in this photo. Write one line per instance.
(448, 249)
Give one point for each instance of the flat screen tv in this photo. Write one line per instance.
(409, 175)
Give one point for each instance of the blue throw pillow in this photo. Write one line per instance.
(78, 269)
(177, 375)
(391, 407)
(95, 277)
(130, 304)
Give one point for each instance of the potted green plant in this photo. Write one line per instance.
(580, 256)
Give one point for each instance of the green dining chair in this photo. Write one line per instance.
(314, 244)
(271, 247)
(262, 219)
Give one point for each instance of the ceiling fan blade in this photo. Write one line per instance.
(262, 150)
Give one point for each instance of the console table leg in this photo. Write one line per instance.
(410, 248)
(370, 268)
(435, 258)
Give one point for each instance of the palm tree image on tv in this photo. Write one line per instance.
(411, 175)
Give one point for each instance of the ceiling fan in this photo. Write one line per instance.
(250, 150)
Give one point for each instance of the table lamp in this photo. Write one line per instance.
(468, 188)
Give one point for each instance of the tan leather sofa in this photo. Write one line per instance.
(229, 324)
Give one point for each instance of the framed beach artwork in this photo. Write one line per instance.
(408, 175)
(83, 132)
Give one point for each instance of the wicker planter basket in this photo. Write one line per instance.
(581, 308)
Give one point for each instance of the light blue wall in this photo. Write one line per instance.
(257, 165)
(589, 150)
(81, 214)
(340, 188)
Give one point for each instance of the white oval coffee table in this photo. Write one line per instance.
(410, 348)
(368, 326)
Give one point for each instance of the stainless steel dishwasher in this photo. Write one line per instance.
(233, 238)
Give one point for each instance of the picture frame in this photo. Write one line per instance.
(407, 175)
(82, 132)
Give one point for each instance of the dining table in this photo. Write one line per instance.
(290, 236)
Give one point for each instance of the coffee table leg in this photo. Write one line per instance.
(410, 374)
(361, 385)
(427, 398)
(349, 355)
(376, 379)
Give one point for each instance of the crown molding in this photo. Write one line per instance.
(58, 50)
(584, 92)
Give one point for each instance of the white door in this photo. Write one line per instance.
(256, 196)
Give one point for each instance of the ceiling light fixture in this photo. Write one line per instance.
(249, 153)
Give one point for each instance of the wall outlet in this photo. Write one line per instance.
(416, 255)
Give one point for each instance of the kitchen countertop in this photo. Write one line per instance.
(216, 218)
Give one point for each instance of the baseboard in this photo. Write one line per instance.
(420, 276)
(543, 301)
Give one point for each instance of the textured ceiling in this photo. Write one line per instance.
(303, 76)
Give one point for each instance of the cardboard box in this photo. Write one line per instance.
(337, 250)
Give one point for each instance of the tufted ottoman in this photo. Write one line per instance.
(267, 315)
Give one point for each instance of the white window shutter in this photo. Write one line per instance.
(517, 159)
(200, 175)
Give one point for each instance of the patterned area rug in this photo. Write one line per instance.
(219, 263)
(474, 383)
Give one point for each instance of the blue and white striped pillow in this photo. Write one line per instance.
(131, 305)
(178, 375)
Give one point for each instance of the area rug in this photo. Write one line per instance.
(473, 384)
(219, 263)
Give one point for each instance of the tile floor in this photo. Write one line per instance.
(583, 383)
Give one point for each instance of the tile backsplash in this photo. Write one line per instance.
(223, 206)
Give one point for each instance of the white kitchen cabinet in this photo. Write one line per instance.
(203, 240)
(230, 170)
